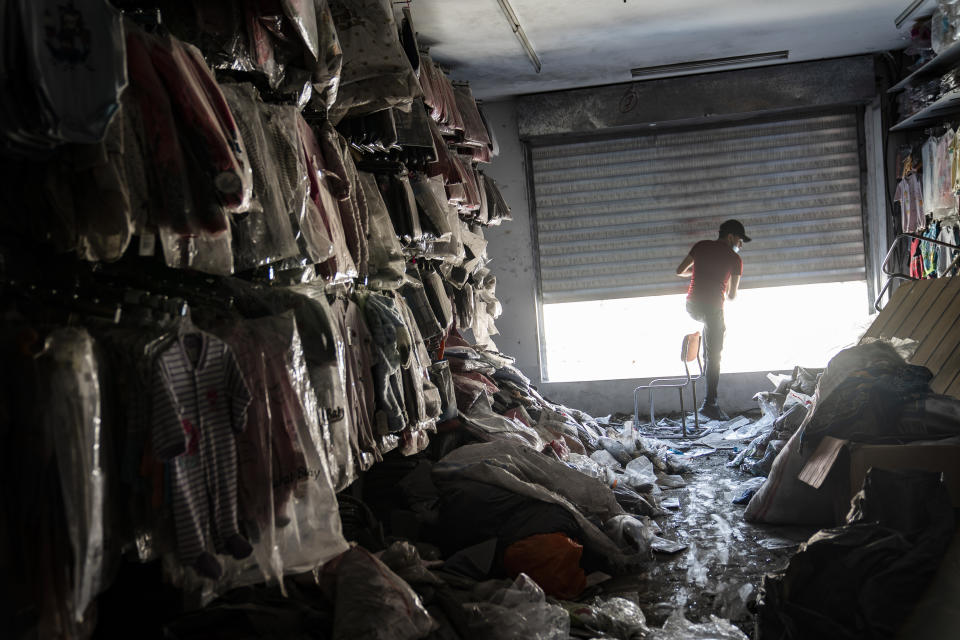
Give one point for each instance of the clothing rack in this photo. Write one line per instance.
(891, 275)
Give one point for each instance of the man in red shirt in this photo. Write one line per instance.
(714, 269)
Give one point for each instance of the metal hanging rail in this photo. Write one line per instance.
(896, 275)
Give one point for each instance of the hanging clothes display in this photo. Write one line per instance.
(200, 403)
(910, 198)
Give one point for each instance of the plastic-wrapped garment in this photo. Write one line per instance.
(376, 72)
(474, 129)
(344, 183)
(327, 72)
(552, 560)
(476, 247)
(438, 297)
(213, 142)
(386, 266)
(444, 165)
(402, 205)
(234, 35)
(391, 351)
(497, 208)
(431, 96)
(340, 266)
(415, 295)
(69, 377)
(202, 252)
(325, 351)
(441, 101)
(268, 451)
(432, 201)
(371, 601)
(88, 183)
(265, 235)
(200, 402)
(76, 56)
(423, 397)
(166, 165)
(25, 116)
(413, 134)
(441, 378)
(519, 612)
(281, 127)
(482, 215)
(359, 364)
(132, 354)
(466, 306)
(470, 200)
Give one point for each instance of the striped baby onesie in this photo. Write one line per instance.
(199, 405)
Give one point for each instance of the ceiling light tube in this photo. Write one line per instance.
(697, 65)
(521, 35)
(906, 13)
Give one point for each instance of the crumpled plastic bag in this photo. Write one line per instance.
(371, 601)
(617, 617)
(630, 532)
(677, 627)
(519, 612)
(639, 475)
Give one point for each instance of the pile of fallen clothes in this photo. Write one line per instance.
(868, 394)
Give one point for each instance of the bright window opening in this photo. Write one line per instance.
(768, 329)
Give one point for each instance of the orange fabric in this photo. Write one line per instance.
(552, 560)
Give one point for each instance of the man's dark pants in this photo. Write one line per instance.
(711, 316)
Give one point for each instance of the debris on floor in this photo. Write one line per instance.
(547, 523)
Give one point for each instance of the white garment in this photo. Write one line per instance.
(911, 203)
(944, 200)
(928, 157)
(945, 255)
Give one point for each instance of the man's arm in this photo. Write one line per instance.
(685, 270)
(734, 285)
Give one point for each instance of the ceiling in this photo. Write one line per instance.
(593, 42)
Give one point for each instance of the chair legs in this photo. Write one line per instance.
(683, 408)
(696, 411)
(683, 413)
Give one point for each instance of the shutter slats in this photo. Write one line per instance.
(615, 217)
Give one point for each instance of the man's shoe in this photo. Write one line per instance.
(714, 412)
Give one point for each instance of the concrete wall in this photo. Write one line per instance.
(512, 260)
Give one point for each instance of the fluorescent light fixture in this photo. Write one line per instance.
(906, 13)
(696, 65)
(521, 35)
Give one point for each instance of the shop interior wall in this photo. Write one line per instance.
(512, 250)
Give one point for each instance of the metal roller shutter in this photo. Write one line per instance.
(615, 217)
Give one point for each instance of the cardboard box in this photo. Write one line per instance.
(852, 460)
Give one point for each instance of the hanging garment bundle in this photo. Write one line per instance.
(64, 72)
(264, 235)
(376, 72)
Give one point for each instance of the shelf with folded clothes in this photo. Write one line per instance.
(946, 60)
(945, 106)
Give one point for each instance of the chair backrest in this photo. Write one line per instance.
(691, 347)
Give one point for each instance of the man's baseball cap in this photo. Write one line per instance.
(735, 227)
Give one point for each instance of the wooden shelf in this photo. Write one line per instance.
(933, 113)
(948, 58)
